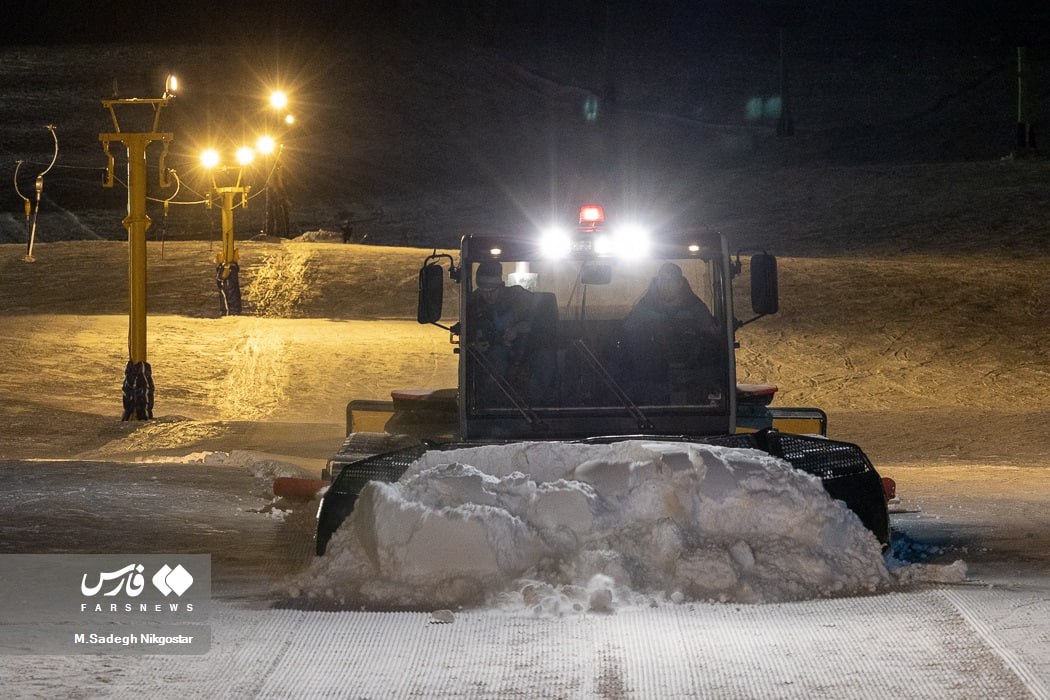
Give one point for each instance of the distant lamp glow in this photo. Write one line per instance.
(171, 86)
(590, 108)
(555, 244)
(694, 248)
(265, 145)
(209, 158)
(278, 99)
(245, 155)
(289, 119)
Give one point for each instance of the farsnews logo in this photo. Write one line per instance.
(129, 578)
(131, 581)
(168, 580)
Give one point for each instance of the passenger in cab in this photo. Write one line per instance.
(672, 343)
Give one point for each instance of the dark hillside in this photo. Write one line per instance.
(421, 124)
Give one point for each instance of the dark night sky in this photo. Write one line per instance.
(86, 21)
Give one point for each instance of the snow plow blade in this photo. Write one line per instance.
(350, 478)
(844, 470)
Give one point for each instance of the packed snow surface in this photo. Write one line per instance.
(563, 527)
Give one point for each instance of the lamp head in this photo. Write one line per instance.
(209, 158)
(245, 156)
(265, 145)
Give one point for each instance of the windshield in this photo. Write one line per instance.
(572, 335)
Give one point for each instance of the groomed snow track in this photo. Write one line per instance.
(903, 645)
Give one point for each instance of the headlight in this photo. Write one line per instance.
(555, 243)
(628, 242)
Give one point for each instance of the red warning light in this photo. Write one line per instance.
(591, 215)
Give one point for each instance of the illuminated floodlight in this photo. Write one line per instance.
(278, 99)
(694, 248)
(265, 145)
(171, 86)
(245, 155)
(496, 252)
(555, 243)
(627, 242)
(210, 158)
(604, 245)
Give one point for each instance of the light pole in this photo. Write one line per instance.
(276, 220)
(1025, 104)
(40, 190)
(25, 200)
(227, 266)
(138, 388)
(31, 235)
(786, 121)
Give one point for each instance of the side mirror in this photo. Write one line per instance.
(431, 293)
(765, 295)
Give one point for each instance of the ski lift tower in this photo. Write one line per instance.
(138, 376)
(227, 264)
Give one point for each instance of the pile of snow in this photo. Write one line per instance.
(560, 527)
(319, 236)
(259, 464)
